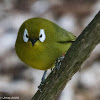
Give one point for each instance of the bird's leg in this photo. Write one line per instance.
(43, 77)
(58, 62)
(42, 80)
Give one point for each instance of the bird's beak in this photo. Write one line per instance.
(33, 41)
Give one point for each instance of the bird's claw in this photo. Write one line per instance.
(58, 62)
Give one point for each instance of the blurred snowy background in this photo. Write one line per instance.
(19, 80)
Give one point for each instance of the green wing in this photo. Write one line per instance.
(64, 36)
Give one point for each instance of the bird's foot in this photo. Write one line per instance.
(42, 81)
(40, 87)
(58, 62)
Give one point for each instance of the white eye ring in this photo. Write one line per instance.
(42, 35)
(25, 36)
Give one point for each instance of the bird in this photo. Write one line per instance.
(40, 42)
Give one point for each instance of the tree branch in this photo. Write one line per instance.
(76, 55)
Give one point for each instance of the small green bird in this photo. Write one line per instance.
(40, 42)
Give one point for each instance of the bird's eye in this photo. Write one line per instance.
(25, 36)
(42, 35)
